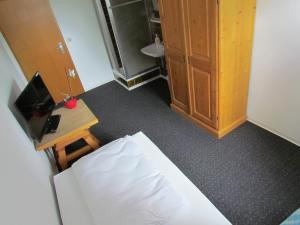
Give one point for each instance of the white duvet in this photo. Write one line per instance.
(120, 186)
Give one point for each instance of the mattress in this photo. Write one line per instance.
(200, 210)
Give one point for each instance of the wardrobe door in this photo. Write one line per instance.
(171, 14)
(32, 33)
(201, 22)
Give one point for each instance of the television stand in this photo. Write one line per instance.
(52, 124)
(74, 125)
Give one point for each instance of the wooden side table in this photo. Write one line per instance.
(73, 126)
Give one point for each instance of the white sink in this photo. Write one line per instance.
(154, 50)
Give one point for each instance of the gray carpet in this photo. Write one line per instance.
(251, 175)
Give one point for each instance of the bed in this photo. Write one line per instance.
(75, 209)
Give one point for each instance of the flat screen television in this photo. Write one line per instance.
(36, 105)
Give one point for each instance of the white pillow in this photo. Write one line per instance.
(121, 186)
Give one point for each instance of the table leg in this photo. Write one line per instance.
(92, 141)
(62, 158)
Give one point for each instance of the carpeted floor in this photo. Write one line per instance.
(251, 175)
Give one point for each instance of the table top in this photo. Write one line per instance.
(71, 122)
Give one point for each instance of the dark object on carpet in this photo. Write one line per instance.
(252, 176)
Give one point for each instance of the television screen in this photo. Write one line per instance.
(36, 105)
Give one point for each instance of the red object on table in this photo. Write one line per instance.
(71, 104)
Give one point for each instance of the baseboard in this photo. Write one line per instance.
(205, 127)
(216, 133)
(228, 129)
(231, 127)
(273, 131)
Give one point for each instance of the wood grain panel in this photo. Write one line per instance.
(201, 88)
(173, 27)
(202, 24)
(179, 84)
(171, 13)
(199, 27)
(236, 37)
(32, 33)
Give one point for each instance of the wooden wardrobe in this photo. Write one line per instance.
(208, 46)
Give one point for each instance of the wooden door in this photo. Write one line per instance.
(201, 22)
(171, 14)
(32, 33)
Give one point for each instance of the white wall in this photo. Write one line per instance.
(274, 97)
(26, 194)
(78, 22)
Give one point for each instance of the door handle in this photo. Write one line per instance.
(61, 47)
(72, 73)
